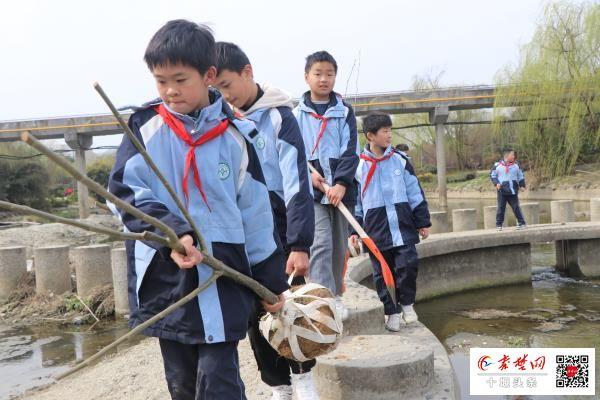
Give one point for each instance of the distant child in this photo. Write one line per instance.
(197, 143)
(328, 126)
(393, 210)
(278, 143)
(508, 178)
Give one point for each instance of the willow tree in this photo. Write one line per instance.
(556, 85)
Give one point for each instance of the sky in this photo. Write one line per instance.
(52, 51)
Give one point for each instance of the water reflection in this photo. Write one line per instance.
(30, 356)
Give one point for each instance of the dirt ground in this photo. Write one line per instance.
(137, 374)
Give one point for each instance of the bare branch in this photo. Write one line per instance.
(151, 164)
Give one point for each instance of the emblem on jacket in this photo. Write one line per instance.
(224, 171)
(260, 142)
(397, 172)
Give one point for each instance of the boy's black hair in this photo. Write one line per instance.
(374, 121)
(507, 150)
(402, 147)
(182, 42)
(231, 57)
(320, 56)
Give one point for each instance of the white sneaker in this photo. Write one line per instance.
(521, 227)
(283, 392)
(304, 386)
(409, 314)
(393, 322)
(499, 228)
(341, 308)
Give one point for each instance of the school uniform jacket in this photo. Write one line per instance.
(336, 155)
(238, 227)
(393, 206)
(508, 175)
(280, 148)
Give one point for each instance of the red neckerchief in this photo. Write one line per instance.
(374, 161)
(506, 165)
(321, 131)
(178, 127)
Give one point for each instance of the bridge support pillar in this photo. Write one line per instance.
(438, 117)
(80, 144)
(578, 258)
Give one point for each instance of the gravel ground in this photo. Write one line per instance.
(137, 374)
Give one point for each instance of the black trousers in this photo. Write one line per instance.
(403, 262)
(202, 371)
(274, 369)
(513, 201)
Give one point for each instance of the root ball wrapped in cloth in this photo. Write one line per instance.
(307, 326)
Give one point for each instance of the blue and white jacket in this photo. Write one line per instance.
(393, 206)
(278, 143)
(238, 229)
(336, 156)
(508, 175)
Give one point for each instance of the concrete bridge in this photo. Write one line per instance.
(413, 363)
(437, 103)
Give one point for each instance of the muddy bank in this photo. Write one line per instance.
(24, 307)
(137, 374)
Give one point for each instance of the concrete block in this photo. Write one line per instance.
(52, 271)
(13, 265)
(375, 367)
(439, 222)
(562, 211)
(119, 275)
(489, 217)
(92, 268)
(595, 209)
(531, 213)
(464, 219)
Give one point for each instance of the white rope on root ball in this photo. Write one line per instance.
(307, 326)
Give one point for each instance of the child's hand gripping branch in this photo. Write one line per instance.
(192, 256)
(424, 232)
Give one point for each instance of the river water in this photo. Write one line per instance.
(30, 356)
(571, 306)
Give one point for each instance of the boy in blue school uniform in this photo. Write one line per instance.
(197, 143)
(280, 148)
(392, 208)
(508, 178)
(328, 127)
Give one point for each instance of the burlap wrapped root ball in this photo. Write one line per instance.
(308, 325)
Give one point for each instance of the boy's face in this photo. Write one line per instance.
(382, 138)
(510, 157)
(182, 87)
(237, 88)
(321, 78)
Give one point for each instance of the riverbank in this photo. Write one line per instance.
(583, 185)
